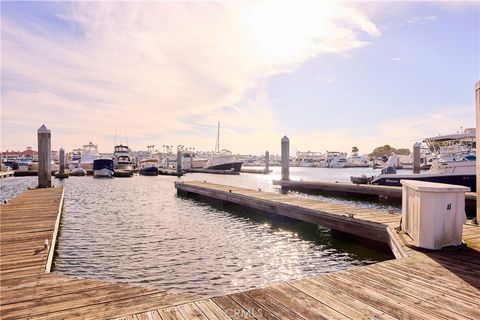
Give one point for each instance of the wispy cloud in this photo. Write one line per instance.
(421, 20)
(325, 79)
(397, 59)
(146, 66)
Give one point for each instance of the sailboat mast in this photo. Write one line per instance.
(217, 146)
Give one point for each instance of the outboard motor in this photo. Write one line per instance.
(389, 170)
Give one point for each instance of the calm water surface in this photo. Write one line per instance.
(137, 230)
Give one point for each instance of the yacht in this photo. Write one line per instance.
(223, 160)
(88, 154)
(336, 159)
(309, 159)
(454, 162)
(103, 168)
(149, 167)
(122, 159)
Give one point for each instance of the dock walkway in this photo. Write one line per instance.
(417, 285)
(27, 290)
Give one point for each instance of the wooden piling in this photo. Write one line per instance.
(44, 157)
(477, 93)
(61, 160)
(179, 161)
(267, 161)
(416, 157)
(285, 158)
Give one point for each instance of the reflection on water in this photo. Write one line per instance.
(138, 230)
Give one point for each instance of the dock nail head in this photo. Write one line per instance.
(229, 191)
(259, 189)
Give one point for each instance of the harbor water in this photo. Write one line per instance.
(137, 230)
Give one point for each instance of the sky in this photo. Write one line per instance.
(329, 75)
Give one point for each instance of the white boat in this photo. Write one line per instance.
(89, 154)
(309, 159)
(336, 159)
(103, 168)
(122, 158)
(454, 162)
(79, 172)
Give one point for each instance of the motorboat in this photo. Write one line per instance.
(122, 161)
(224, 162)
(88, 154)
(103, 168)
(336, 159)
(223, 159)
(149, 167)
(79, 172)
(309, 159)
(454, 163)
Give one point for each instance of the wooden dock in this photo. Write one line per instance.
(351, 189)
(6, 174)
(417, 285)
(28, 290)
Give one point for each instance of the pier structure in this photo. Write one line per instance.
(61, 174)
(179, 161)
(267, 161)
(285, 151)
(29, 289)
(44, 157)
(416, 285)
(416, 157)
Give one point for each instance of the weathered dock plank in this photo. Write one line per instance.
(27, 290)
(418, 285)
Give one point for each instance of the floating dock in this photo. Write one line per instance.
(29, 228)
(211, 171)
(258, 171)
(417, 285)
(351, 189)
(6, 174)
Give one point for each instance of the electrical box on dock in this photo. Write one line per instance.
(433, 214)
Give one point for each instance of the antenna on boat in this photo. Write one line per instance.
(126, 137)
(217, 145)
(115, 141)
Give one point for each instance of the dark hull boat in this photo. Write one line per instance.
(103, 168)
(149, 171)
(467, 180)
(228, 166)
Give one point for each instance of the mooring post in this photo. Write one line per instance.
(416, 157)
(267, 161)
(44, 157)
(477, 93)
(285, 158)
(61, 160)
(179, 160)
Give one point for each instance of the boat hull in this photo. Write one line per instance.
(232, 166)
(467, 180)
(151, 171)
(103, 173)
(79, 172)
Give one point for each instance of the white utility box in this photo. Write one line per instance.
(433, 214)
